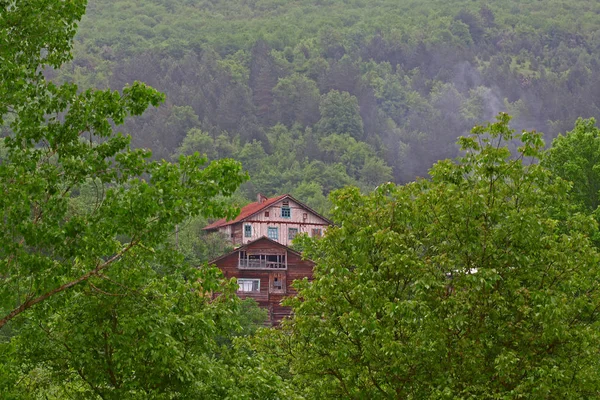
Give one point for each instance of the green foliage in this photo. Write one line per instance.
(311, 193)
(94, 302)
(198, 141)
(575, 156)
(478, 283)
(131, 333)
(410, 77)
(297, 100)
(340, 115)
(252, 317)
(196, 245)
(60, 141)
(161, 340)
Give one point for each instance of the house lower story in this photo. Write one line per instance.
(265, 270)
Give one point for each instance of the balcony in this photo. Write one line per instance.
(261, 264)
(262, 259)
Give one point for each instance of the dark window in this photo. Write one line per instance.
(286, 212)
(292, 232)
(316, 232)
(266, 214)
(248, 230)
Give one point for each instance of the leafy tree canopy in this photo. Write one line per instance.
(479, 283)
(575, 156)
(94, 301)
(62, 139)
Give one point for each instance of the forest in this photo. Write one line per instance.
(452, 143)
(312, 96)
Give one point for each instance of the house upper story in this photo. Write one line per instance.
(278, 218)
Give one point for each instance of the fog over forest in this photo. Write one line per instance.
(312, 96)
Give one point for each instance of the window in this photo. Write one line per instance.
(292, 232)
(272, 233)
(277, 282)
(266, 214)
(316, 232)
(286, 211)
(247, 231)
(248, 285)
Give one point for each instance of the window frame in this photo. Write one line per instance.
(286, 210)
(241, 281)
(281, 279)
(247, 232)
(316, 232)
(290, 236)
(276, 229)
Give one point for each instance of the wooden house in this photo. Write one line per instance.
(279, 218)
(265, 270)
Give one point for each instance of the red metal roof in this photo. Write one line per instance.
(246, 212)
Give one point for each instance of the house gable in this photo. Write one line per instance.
(280, 219)
(297, 212)
(253, 211)
(265, 270)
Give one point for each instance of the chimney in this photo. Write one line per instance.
(261, 198)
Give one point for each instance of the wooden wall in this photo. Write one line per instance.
(297, 269)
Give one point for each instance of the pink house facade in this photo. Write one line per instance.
(278, 218)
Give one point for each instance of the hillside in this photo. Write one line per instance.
(315, 95)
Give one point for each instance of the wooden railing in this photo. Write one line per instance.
(261, 264)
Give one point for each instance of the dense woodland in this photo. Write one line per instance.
(480, 280)
(312, 96)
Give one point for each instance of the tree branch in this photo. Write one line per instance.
(30, 302)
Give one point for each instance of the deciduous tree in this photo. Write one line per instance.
(478, 283)
(575, 156)
(94, 303)
(62, 139)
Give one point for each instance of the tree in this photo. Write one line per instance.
(473, 22)
(311, 194)
(263, 78)
(575, 156)
(198, 141)
(135, 334)
(297, 100)
(61, 140)
(374, 172)
(94, 302)
(479, 283)
(340, 114)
